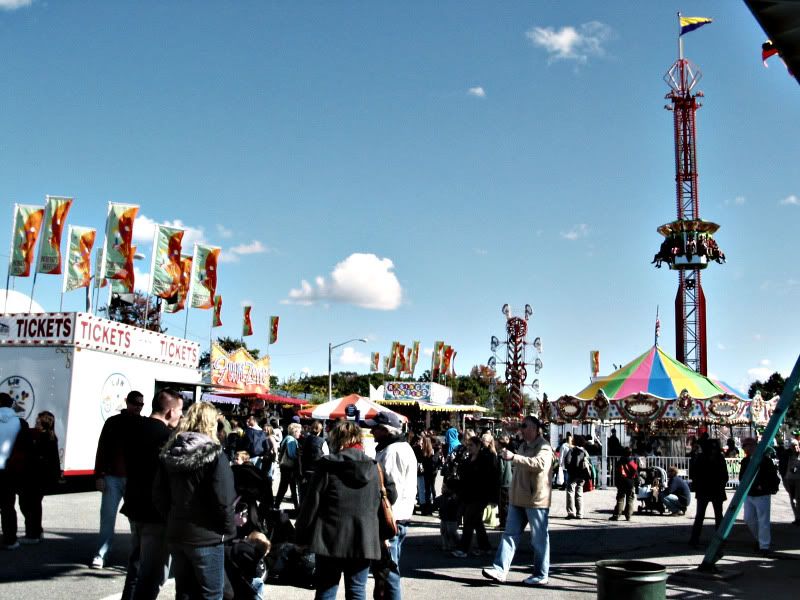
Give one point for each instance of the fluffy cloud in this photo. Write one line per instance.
(360, 279)
(144, 228)
(351, 356)
(759, 373)
(571, 43)
(141, 280)
(478, 92)
(224, 232)
(233, 254)
(790, 201)
(578, 231)
(14, 4)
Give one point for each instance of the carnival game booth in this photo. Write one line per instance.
(424, 403)
(654, 396)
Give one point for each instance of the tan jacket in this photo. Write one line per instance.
(532, 481)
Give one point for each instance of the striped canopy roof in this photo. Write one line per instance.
(657, 374)
(335, 409)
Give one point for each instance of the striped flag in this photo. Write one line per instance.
(27, 224)
(691, 23)
(55, 215)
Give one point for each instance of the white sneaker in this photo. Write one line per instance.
(494, 575)
(97, 563)
(532, 580)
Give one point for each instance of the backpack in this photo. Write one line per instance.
(576, 462)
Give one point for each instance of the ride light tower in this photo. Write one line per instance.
(688, 244)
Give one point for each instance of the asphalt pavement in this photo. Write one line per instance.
(57, 568)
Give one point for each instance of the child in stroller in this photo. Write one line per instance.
(652, 481)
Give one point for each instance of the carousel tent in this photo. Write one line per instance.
(335, 409)
(655, 386)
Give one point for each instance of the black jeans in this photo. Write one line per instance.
(8, 513)
(288, 481)
(30, 503)
(702, 504)
(473, 522)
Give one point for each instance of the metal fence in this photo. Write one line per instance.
(682, 462)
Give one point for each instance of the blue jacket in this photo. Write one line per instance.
(679, 487)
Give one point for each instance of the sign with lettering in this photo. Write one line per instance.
(85, 330)
(239, 370)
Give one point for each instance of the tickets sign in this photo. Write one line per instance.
(239, 370)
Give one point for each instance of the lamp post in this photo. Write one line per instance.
(331, 348)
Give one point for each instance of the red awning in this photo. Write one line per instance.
(272, 398)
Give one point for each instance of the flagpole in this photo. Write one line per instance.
(152, 270)
(657, 326)
(33, 287)
(10, 254)
(103, 260)
(680, 38)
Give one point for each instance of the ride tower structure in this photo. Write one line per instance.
(688, 245)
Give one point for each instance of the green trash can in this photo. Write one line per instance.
(630, 580)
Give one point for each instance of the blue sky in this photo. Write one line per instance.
(429, 161)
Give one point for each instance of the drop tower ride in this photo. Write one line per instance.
(688, 245)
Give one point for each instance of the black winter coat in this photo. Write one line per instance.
(141, 464)
(709, 474)
(339, 515)
(480, 479)
(194, 491)
(766, 481)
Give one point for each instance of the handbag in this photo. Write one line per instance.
(387, 527)
(286, 461)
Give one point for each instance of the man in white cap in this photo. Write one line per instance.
(399, 463)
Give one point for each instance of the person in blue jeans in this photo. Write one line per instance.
(194, 492)
(529, 502)
(109, 469)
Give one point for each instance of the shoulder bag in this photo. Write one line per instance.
(387, 527)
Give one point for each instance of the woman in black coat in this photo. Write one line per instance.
(195, 493)
(42, 472)
(338, 519)
(709, 475)
(480, 485)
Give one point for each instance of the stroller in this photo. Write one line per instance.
(651, 482)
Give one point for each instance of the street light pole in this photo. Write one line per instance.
(331, 348)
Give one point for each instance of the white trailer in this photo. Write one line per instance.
(81, 367)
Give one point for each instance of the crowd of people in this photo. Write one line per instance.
(197, 489)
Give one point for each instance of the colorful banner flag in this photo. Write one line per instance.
(27, 224)
(165, 268)
(447, 355)
(393, 355)
(217, 322)
(79, 258)
(183, 292)
(273, 329)
(203, 287)
(414, 356)
(99, 280)
(691, 23)
(452, 370)
(385, 365)
(436, 359)
(118, 255)
(409, 356)
(400, 361)
(124, 284)
(55, 215)
(594, 362)
(374, 362)
(247, 325)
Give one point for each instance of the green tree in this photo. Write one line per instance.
(774, 386)
(229, 344)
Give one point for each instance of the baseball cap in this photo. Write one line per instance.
(295, 419)
(386, 419)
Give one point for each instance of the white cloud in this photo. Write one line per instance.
(224, 232)
(144, 228)
(764, 362)
(721, 346)
(578, 231)
(351, 356)
(14, 4)
(790, 201)
(478, 92)
(233, 254)
(571, 43)
(737, 201)
(360, 279)
(141, 280)
(759, 373)
(427, 351)
(246, 302)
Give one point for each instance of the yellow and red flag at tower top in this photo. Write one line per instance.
(691, 23)
(27, 224)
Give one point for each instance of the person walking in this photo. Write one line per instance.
(529, 502)
(288, 464)
(14, 445)
(42, 472)
(479, 487)
(194, 492)
(626, 473)
(505, 480)
(312, 448)
(149, 561)
(709, 475)
(562, 477)
(109, 470)
(399, 464)
(759, 498)
(254, 441)
(338, 519)
(577, 474)
(791, 478)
